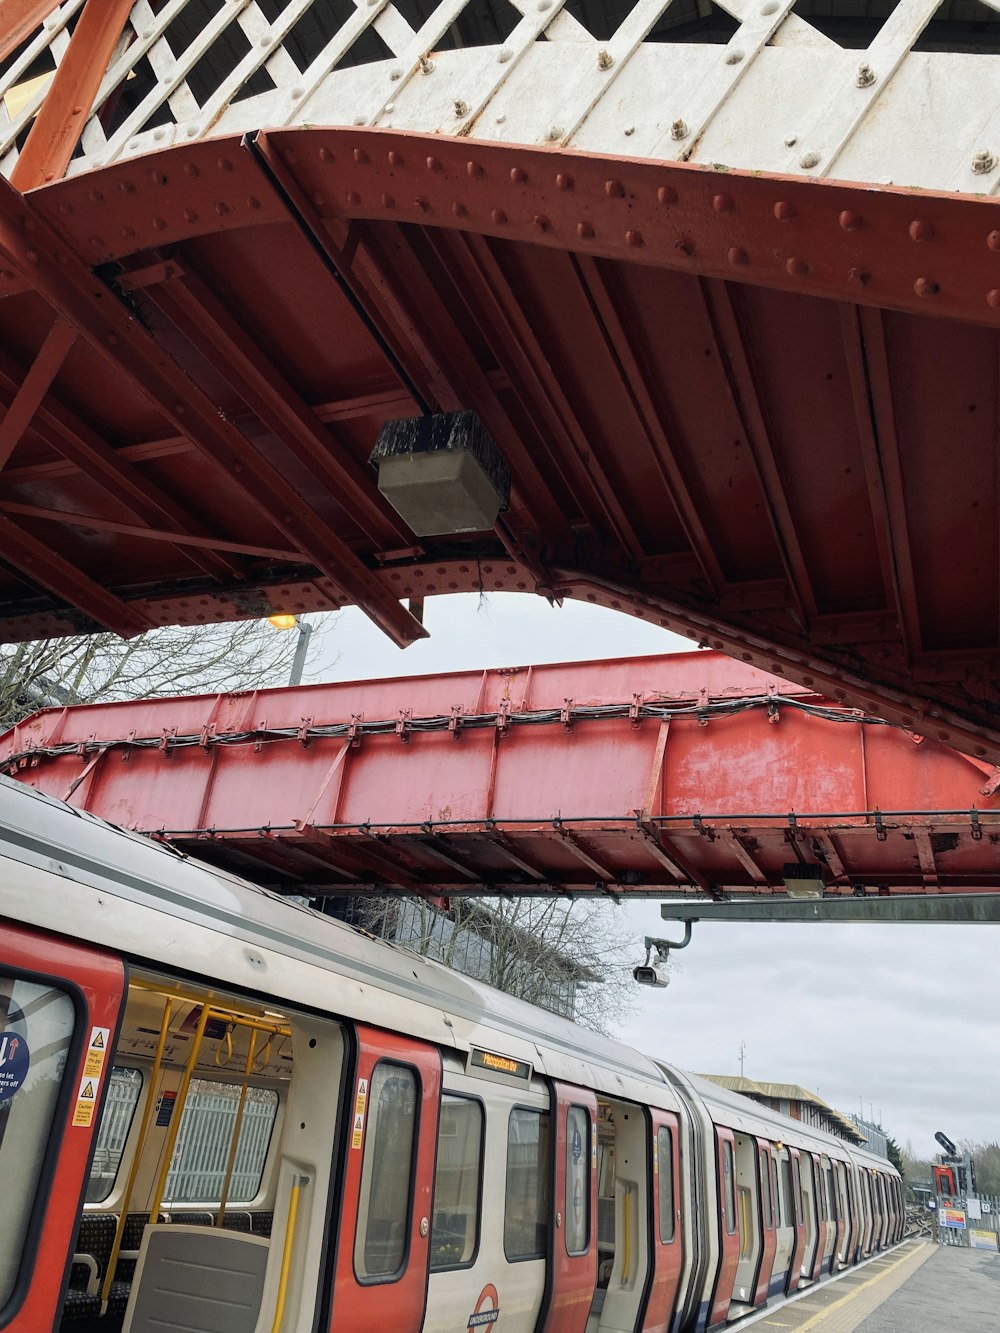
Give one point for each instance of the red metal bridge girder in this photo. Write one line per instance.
(686, 773)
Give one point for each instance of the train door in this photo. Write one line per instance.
(838, 1186)
(572, 1277)
(769, 1221)
(623, 1212)
(749, 1211)
(667, 1245)
(820, 1211)
(59, 1007)
(784, 1218)
(729, 1237)
(829, 1215)
(383, 1246)
(798, 1253)
(866, 1211)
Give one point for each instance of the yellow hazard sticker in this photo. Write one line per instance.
(86, 1100)
(97, 1049)
(360, 1102)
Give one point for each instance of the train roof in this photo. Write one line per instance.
(76, 845)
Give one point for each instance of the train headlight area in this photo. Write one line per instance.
(222, 1112)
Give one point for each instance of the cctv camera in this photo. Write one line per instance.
(651, 974)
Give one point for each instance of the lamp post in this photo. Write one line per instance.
(302, 646)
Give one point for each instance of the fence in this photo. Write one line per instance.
(974, 1224)
(199, 1166)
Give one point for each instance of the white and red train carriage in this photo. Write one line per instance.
(222, 1112)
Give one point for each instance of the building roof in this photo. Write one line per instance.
(791, 1092)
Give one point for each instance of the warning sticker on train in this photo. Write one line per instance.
(86, 1100)
(97, 1049)
(482, 1317)
(14, 1061)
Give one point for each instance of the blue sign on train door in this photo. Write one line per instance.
(14, 1061)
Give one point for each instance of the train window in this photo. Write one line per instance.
(526, 1205)
(786, 1190)
(577, 1201)
(198, 1170)
(36, 1028)
(665, 1165)
(386, 1174)
(124, 1086)
(457, 1183)
(765, 1187)
(729, 1187)
(797, 1192)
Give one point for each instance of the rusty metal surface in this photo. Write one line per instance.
(684, 773)
(758, 411)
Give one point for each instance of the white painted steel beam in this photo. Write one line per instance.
(779, 96)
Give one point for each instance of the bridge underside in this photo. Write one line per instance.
(683, 774)
(758, 411)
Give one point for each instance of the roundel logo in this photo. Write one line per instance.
(487, 1309)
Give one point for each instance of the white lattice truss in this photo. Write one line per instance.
(779, 96)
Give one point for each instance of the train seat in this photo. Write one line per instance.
(188, 1277)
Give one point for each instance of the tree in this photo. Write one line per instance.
(246, 654)
(895, 1156)
(573, 958)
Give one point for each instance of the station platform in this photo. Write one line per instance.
(917, 1288)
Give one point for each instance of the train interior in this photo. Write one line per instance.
(202, 1149)
(622, 1242)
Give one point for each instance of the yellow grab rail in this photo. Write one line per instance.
(235, 1138)
(298, 1184)
(626, 1234)
(133, 1170)
(178, 1114)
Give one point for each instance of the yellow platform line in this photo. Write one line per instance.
(911, 1262)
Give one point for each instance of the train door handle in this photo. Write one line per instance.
(424, 1226)
(558, 1219)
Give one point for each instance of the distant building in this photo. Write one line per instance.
(791, 1100)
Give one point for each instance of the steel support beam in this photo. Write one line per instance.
(954, 909)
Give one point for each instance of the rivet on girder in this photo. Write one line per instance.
(460, 108)
(325, 155)
(614, 189)
(353, 198)
(253, 201)
(634, 238)
(554, 133)
(517, 175)
(666, 194)
(96, 242)
(541, 222)
(629, 131)
(808, 161)
(993, 240)
(459, 209)
(222, 208)
(679, 129)
(65, 208)
(605, 60)
(96, 197)
(584, 230)
(190, 215)
(224, 164)
(993, 299)
(498, 216)
(395, 159)
(395, 74)
(563, 182)
(983, 162)
(722, 203)
(360, 157)
(926, 287)
(738, 256)
(865, 76)
(426, 65)
(474, 169)
(433, 164)
(796, 268)
(504, 55)
(127, 187)
(422, 204)
(849, 221)
(388, 201)
(684, 248)
(190, 169)
(783, 211)
(734, 57)
(920, 230)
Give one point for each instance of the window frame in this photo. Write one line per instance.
(666, 1240)
(385, 1280)
(589, 1140)
(207, 1204)
(729, 1211)
(480, 1184)
(543, 1177)
(101, 1205)
(65, 1099)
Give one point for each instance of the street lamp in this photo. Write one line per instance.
(301, 648)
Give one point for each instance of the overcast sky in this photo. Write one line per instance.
(904, 1019)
